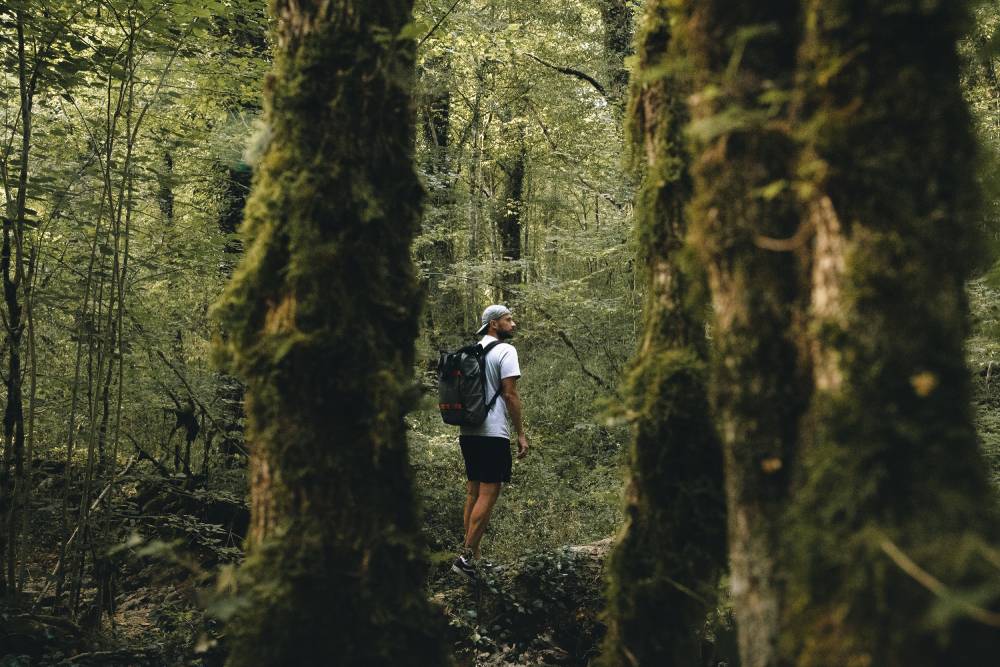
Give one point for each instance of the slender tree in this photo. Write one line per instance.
(617, 17)
(509, 212)
(893, 516)
(665, 567)
(436, 253)
(510, 193)
(229, 390)
(743, 56)
(321, 317)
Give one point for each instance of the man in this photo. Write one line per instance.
(486, 448)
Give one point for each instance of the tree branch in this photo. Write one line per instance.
(569, 71)
(569, 343)
(143, 454)
(438, 24)
(935, 585)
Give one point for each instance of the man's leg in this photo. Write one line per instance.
(488, 494)
(471, 495)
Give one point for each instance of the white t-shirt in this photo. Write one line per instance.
(501, 362)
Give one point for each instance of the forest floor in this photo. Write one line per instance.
(540, 605)
(541, 608)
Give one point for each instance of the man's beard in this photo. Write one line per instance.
(504, 335)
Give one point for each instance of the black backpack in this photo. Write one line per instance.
(462, 385)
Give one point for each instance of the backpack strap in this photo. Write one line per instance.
(486, 350)
(489, 406)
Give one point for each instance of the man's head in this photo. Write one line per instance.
(497, 322)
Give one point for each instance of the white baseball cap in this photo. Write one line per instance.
(494, 312)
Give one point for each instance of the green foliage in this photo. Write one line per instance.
(983, 354)
(577, 305)
(559, 495)
(541, 606)
(187, 99)
(190, 87)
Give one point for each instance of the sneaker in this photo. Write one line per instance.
(463, 565)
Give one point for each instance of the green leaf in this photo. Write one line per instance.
(413, 30)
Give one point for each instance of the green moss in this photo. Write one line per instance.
(742, 57)
(320, 321)
(671, 550)
(664, 568)
(891, 455)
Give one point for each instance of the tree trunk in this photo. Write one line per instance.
(509, 213)
(616, 15)
(891, 481)
(165, 194)
(444, 311)
(229, 389)
(12, 477)
(322, 316)
(665, 568)
(741, 52)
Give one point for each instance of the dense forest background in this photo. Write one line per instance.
(130, 136)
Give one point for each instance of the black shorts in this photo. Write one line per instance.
(486, 459)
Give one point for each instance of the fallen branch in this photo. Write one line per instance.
(127, 656)
(144, 455)
(596, 378)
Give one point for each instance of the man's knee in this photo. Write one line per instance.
(490, 489)
(472, 489)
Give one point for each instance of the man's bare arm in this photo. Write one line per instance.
(513, 401)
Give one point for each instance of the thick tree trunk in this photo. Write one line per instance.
(665, 567)
(742, 52)
(891, 476)
(322, 316)
(616, 15)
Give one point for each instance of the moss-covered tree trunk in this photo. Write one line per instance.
(891, 487)
(665, 566)
(322, 315)
(743, 54)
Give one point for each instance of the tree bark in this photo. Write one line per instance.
(891, 473)
(509, 213)
(229, 390)
(741, 52)
(616, 15)
(444, 311)
(12, 477)
(665, 567)
(322, 316)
